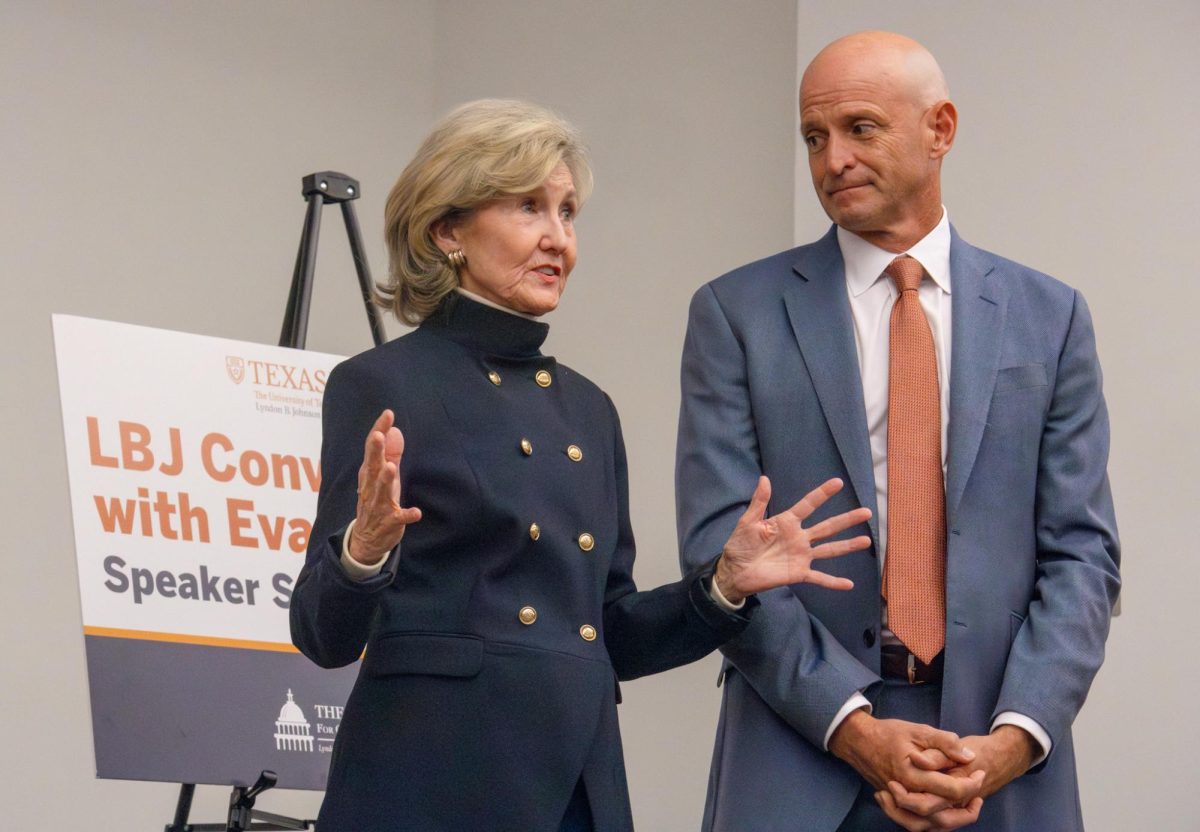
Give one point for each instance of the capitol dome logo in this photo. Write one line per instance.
(292, 731)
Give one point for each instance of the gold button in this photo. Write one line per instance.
(587, 632)
(535, 531)
(528, 615)
(542, 378)
(574, 453)
(586, 542)
(494, 377)
(526, 447)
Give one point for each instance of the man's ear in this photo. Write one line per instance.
(943, 125)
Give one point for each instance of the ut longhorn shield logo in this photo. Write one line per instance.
(236, 367)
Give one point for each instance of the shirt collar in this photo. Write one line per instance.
(865, 261)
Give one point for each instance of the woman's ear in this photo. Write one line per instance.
(445, 235)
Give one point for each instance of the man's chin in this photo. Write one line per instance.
(856, 221)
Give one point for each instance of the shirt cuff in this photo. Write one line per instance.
(1036, 731)
(852, 704)
(723, 602)
(359, 571)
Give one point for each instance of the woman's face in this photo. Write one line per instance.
(520, 248)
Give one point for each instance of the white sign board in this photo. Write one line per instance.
(194, 465)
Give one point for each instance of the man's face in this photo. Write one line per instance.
(869, 147)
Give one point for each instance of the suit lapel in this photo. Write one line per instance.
(978, 300)
(819, 311)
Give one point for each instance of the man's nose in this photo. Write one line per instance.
(839, 155)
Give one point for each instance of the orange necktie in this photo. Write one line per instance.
(915, 569)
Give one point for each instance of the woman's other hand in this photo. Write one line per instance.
(380, 521)
(766, 552)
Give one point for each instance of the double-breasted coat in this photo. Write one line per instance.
(498, 629)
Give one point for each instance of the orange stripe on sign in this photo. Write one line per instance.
(177, 638)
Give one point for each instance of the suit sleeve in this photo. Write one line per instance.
(675, 624)
(1060, 646)
(791, 660)
(331, 612)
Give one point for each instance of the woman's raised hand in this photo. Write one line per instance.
(380, 521)
(766, 552)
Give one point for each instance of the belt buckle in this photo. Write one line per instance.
(912, 670)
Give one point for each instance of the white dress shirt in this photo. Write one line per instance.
(872, 295)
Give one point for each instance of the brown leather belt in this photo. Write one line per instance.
(895, 662)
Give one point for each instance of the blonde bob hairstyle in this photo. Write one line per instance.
(482, 150)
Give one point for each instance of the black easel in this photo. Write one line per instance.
(317, 189)
(242, 814)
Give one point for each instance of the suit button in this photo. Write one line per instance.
(869, 636)
(586, 542)
(542, 378)
(494, 377)
(587, 632)
(526, 446)
(535, 531)
(528, 615)
(574, 453)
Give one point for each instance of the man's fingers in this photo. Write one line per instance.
(816, 498)
(757, 509)
(931, 759)
(906, 819)
(919, 803)
(956, 790)
(832, 525)
(837, 548)
(956, 817)
(948, 743)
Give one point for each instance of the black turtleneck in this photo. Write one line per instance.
(480, 327)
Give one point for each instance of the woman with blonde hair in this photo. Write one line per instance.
(472, 528)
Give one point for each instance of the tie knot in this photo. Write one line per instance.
(906, 272)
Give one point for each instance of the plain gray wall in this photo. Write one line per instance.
(1076, 155)
(153, 155)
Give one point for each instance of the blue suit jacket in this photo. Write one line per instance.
(771, 386)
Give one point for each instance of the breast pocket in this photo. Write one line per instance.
(1017, 413)
(1019, 378)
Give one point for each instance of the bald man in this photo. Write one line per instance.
(938, 693)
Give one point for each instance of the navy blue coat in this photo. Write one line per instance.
(489, 684)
